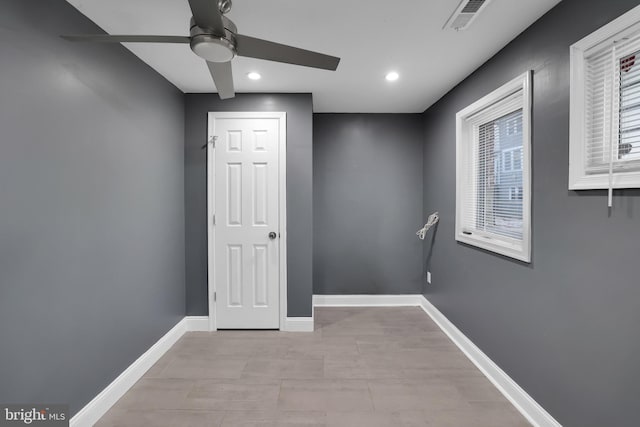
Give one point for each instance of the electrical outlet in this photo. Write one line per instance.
(428, 277)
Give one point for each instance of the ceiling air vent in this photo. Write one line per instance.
(465, 13)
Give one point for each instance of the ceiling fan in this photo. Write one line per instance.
(215, 38)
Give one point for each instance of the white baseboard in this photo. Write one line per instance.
(298, 324)
(524, 403)
(95, 409)
(197, 323)
(528, 407)
(365, 300)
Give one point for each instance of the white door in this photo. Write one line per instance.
(246, 226)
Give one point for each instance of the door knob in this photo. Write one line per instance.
(272, 235)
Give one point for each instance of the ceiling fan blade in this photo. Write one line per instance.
(207, 15)
(223, 78)
(262, 49)
(106, 38)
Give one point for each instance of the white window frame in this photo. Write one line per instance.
(466, 140)
(579, 179)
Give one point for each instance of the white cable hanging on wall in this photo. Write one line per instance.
(433, 219)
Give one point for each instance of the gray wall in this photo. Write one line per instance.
(299, 186)
(367, 201)
(565, 327)
(91, 207)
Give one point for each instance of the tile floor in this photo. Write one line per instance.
(365, 367)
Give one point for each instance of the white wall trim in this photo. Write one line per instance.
(365, 300)
(197, 323)
(298, 324)
(100, 404)
(524, 403)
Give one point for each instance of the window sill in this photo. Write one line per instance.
(502, 247)
(601, 181)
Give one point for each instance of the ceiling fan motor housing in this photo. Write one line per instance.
(211, 47)
(224, 6)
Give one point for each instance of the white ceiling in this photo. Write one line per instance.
(371, 36)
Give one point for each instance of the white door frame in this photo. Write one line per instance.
(282, 206)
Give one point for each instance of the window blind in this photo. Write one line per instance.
(493, 171)
(493, 200)
(612, 97)
(604, 132)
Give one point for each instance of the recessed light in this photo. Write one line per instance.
(392, 76)
(254, 76)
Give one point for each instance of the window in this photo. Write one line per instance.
(493, 209)
(515, 193)
(512, 157)
(605, 107)
(514, 126)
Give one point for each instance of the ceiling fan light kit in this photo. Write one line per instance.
(214, 38)
(211, 47)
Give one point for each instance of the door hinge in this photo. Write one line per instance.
(214, 297)
(214, 219)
